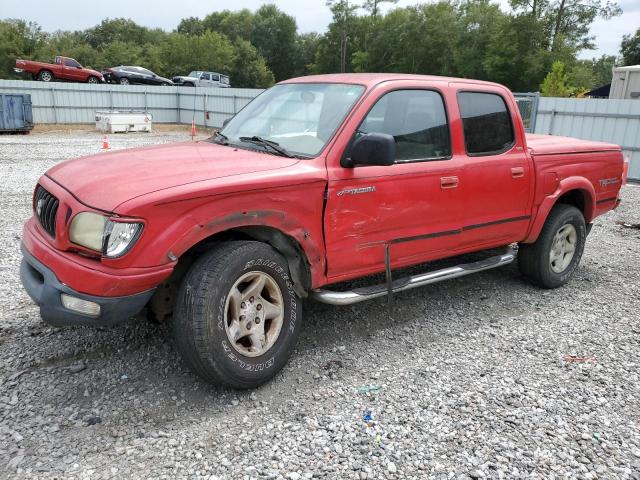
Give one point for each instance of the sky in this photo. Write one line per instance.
(311, 15)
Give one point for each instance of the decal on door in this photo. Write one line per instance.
(356, 191)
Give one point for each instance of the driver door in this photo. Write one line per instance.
(412, 207)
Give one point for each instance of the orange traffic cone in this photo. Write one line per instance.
(105, 143)
(193, 129)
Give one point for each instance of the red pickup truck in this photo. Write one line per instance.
(62, 68)
(318, 180)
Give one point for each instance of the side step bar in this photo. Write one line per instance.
(367, 293)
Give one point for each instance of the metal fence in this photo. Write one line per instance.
(59, 102)
(614, 121)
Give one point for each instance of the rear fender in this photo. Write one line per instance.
(565, 185)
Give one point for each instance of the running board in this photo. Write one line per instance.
(367, 293)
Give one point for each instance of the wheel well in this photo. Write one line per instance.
(161, 304)
(578, 199)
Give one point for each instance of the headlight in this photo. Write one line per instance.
(99, 233)
(87, 229)
(119, 237)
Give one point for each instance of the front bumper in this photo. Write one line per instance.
(45, 289)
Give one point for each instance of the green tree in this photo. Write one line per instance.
(122, 30)
(630, 49)
(556, 83)
(232, 24)
(18, 38)
(191, 26)
(373, 6)
(274, 36)
(249, 70)
(208, 51)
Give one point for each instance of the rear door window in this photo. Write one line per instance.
(417, 121)
(486, 123)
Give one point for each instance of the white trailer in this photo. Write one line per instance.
(625, 83)
(123, 121)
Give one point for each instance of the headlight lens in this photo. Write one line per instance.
(87, 229)
(99, 233)
(119, 237)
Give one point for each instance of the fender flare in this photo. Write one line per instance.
(303, 253)
(581, 184)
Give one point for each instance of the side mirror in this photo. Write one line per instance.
(225, 121)
(371, 149)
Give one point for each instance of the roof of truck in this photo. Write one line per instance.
(371, 79)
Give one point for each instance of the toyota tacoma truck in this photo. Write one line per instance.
(319, 180)
(62, 69)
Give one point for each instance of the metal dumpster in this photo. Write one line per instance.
(15, 112)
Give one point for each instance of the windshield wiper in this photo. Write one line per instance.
(224, 139)
(274, 146)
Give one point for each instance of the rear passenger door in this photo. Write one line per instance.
(497, 175)
(413, 207)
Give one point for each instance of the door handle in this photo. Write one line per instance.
(448, 182)
(517, 172)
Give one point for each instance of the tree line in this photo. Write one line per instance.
(465, 38)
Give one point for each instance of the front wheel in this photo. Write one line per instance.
(45, 76)
(93, 79)
(124, 81)
(237, 316)
(552, 259)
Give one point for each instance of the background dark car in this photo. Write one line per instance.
(125, 75)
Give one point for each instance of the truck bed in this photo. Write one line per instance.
(555, 145)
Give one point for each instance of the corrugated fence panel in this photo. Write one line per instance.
(59, 102)
(614, 121)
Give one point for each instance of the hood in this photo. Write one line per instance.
(553, 145)
(180, 77)
(106, 180)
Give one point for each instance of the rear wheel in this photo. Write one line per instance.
(124, 81)
(237, 317)
(45, 76)
(552, 259)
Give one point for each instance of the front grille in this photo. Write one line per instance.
(46, 206)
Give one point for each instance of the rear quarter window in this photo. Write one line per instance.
(486, 123)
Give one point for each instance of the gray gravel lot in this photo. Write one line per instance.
(481, 377)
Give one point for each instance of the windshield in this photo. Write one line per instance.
(194, 74)
(299, 117)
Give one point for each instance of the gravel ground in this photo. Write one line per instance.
(481, 377)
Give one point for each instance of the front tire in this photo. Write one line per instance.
(237, 316)
(552, 259)
(93, 80)
(124, 81)
(45, 76)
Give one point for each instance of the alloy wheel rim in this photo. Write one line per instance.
(46, 76)
(254, 313)
(563, 248)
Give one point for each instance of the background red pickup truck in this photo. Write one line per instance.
(318, 180)
(62, 68)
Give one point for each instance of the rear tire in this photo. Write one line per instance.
(550, 261)
(45, 76)
(237, 317)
